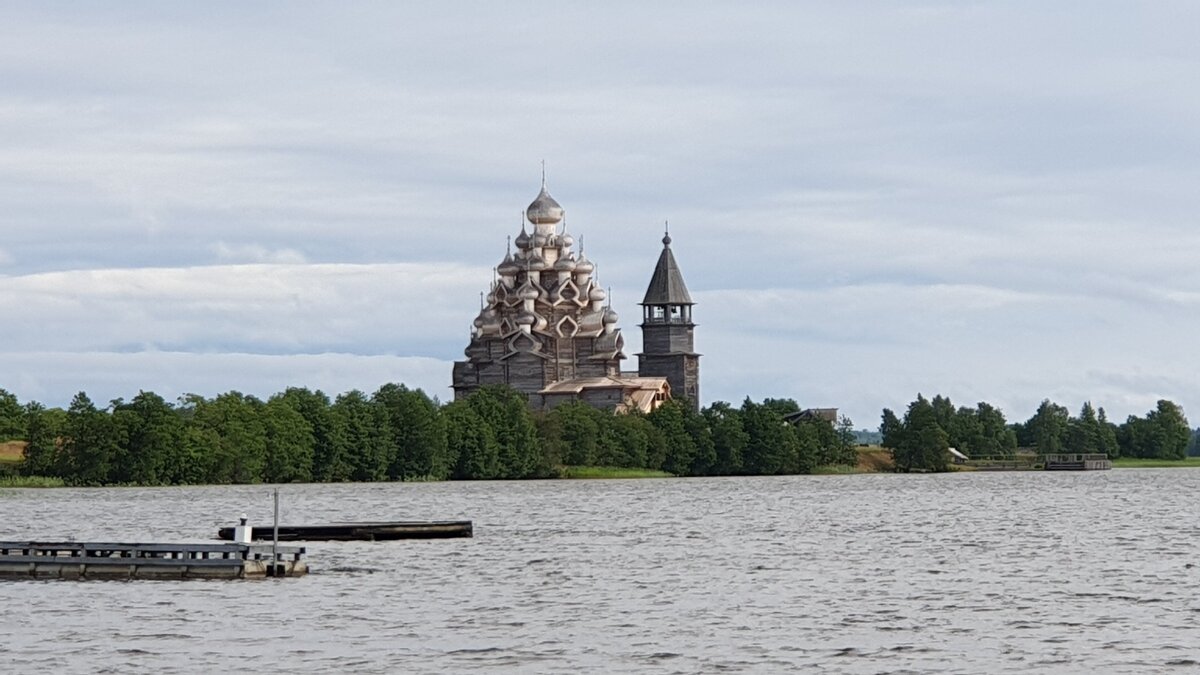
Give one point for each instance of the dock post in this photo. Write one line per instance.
(242, 533)
(275, 566)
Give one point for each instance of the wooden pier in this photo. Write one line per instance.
(86, 560)
(1077, 462)
(371, 531)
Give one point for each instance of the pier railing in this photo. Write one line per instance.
(1077, 461)
(149, 553)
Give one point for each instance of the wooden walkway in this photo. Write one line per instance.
(100, 560)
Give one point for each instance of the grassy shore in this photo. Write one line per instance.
(874, 459)
(611, 472)
(30, 482)
(1135, 463)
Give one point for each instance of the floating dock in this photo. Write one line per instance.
(375, 531)
(86, 560)
(1078, 462)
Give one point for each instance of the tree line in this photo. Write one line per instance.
(921, 438)
(398, 434)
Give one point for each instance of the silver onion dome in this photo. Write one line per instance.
(536, 263)
(522, 240)
(543, 209)
(509, 267)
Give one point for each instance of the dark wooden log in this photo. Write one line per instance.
(367, 531)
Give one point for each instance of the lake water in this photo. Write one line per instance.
(956, 573)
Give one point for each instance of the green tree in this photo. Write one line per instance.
(1108, 435)
(198, 459)
(472, 445)
(330, 460)
(782, 406)
(811, 448)
(996, 438)
(506, 412)
(90, 443)
(1083, 432)
(891, 429)
(360, 427)
(1161, 434)
(579, 427)
(290, 443)
(944, 414)
(772, 447)
(12, 418)
(153, 434)
(240, 454)
(919, 443)
(1048, 427)
(704, 459)
(416, 432)
(729, 437)
(846, 451)
(43, 428)
(670, 420)
(628, 439)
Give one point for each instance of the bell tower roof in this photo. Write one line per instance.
(666, 286)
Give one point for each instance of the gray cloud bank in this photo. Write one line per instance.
(992, 201)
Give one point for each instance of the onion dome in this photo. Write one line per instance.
(536, 263)
(566, 240)
(610, 316)
(584, 265)
(565, 264)
(509, 267)
(526, 319)
(527, 292)
(522, 240)
(543, 209)
(597, 294)
(479, 321)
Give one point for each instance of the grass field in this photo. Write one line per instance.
(874, 459)
(1133, 463)
(12, 452)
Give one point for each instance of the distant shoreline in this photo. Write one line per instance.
(871, 460)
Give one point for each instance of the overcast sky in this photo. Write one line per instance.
(992, 201)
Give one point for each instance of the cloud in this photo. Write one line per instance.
(262, 308)
(253, 253)
(993, 201)
(53, 377)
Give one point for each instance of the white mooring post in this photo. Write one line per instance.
(242, 532)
